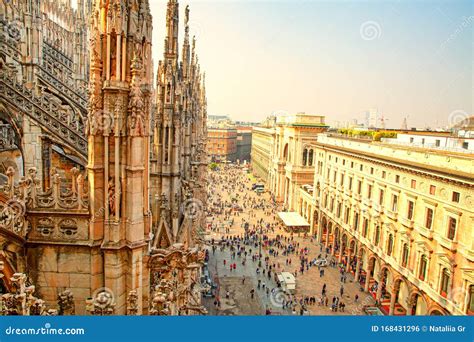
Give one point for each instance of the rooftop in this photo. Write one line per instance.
(301, 119)
(441, 160)
(292, 219)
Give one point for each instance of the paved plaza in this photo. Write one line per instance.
(228, 187)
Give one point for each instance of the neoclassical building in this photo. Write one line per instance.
(282, 154)
(397, 213)
(222, 143)
(400, 218)
(260, 153)
(292, 161)
(103, 172)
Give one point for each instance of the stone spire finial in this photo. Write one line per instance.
(186, 16)
(172, 21)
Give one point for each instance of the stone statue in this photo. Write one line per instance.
(112, 194)
(136, 123)
(66, 303)
(132, 303)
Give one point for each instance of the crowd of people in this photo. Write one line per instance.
(247, 226)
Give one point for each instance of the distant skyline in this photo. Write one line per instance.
(337, 58)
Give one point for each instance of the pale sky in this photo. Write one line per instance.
(333, 58)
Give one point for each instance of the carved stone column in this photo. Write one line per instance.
(367, 278)
(393, 296)
(358, 266)
(379, 288)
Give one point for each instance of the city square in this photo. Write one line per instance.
(309, 284)
(236, 158)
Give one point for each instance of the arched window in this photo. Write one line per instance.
(377, 235)
(310, 157)
(285, 152)
(305, 156)
(390, 245)
(365, 227)
(423, 267)
(167, 135)
(356, 220)
(444, 282)
(405, 255)
(168, 92)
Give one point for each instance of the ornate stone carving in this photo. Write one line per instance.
(103, 304)
(7, 138)
(136, 119)
(21, 301)
(66, 303)
(132, 303)
(174, 278)
(42, 110)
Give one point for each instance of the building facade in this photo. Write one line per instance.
(260, 155)
(244, 143)
(282, 155)
(222, 143)
(399, 218)
(292, 157)
(103, 188)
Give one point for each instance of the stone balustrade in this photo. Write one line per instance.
(26, 200)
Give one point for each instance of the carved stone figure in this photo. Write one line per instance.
(132, 303)
(68, 121)
(112, 194)
(66, 303)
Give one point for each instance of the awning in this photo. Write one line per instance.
(288, 277)
(292, 219)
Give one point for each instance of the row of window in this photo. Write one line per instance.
(452, 222)
(422, 262)
(308, 157)
(455, 196)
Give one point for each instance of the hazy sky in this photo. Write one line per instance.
(333, 58)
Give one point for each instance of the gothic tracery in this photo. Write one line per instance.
(101, 144)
